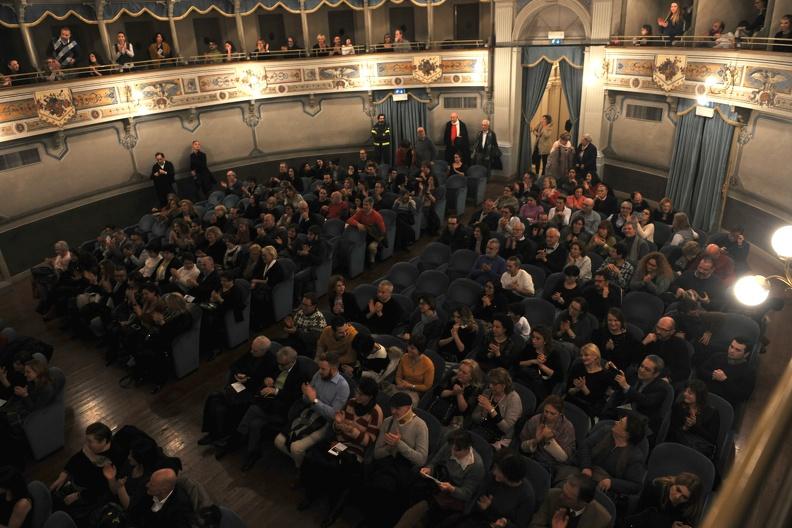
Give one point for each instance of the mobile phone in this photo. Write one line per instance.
(337, 449)
(430, 477)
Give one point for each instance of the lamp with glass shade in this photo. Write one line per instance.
(753, 290)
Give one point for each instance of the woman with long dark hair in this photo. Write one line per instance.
(694, 422)
(672, 501)
(615, 342)
(16, 504)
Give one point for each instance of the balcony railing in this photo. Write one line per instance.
(698, 41)
(99, 70)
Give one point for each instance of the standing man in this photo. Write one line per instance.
(425, 150)
(485, 149)
(455, 139)
(381, 138)
(586, 157)
(199, 169)
(399, 42)
(64, 49)
(163, 175)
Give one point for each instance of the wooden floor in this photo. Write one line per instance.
(262, 497)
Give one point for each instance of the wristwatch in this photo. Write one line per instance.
(315, 401)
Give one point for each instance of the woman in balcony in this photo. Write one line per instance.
(124, 52)
(229, 51)
(673, 25)
(262, 50)
(94, 65)
(159, 50)
(348, 48)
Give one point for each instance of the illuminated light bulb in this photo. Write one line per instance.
(782, 242)
(752, 290)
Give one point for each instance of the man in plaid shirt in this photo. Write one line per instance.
(304, 326)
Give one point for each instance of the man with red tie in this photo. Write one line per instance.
(456, 140)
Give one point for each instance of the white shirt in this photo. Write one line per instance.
(522, 282)
(522, 327)
(157, 505)
(466, 461)
(484, 139)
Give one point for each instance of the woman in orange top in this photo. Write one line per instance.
(415, 373)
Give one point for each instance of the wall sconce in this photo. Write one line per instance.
(598, 73)
(135, 99)
(252, 82)
(753, 290)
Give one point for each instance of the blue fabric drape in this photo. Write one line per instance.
(684, 159)
(534, 84)
(698, 163)
(715, 146)
(404, 118)
(572, 83)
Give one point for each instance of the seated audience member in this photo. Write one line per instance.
(304, 326)
(601, 296)
(617, 268)
(567, 289)
(487, 215)
(721, 39)
(548, 436)
(16, 504)
(613, 456)
(602, 241)
(383, 313)
(35, 392)
(453, 399)
(341, 301)
(516, 312)
(615, 342)
(642, 391)
(270, 407)
(507, 221)
(558, 216)
(531, 209)
(81, 487)
(645, 33)
(665, 212)
(334, 465)
(605, 201)
(402, 447)
(784, 32)
(168, 504)
(682, 230)
(499, 346)
(635, 246)
(517, 283)
(701, 285)
(507, 199)
(478, 239)
(517, 245)
(416, 372)
(644, 225)
(694, 422)
(538, 365)
(724, 265)
(337, 338)
(729, 374)
(577, 257)
(672, 349)
(324, 396)
(459, 336)
(590, 382)
(491, 302)
(653, 274)
(673, 501)
(375, 361)
(737, 248)
(591, 218)
(229, 298)
(498, 409)
(458, 471)
(367, 220)
(424, 322)
(454, 235)
(552, 255)
(223, 410)
(489, 266)
(574, 324)
(574, 498)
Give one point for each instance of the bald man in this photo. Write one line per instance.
(664, 343)
(166, 505)
(724, 264)
(456, 140)
(485, 148)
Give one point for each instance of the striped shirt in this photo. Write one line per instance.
(367, 429)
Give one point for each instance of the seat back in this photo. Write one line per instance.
(216, 198)
(642, 309)
(731, 325)
(229, 519)
(405, 303)
(537, 275)
(662, 233)
(484, 449)
(539, 478)
(238, 332)
(45, 427)
(433, 256)
(460, 263)
(432, 282)
(476, 171)
(145, 223)
(440, 203)
(672, 253)
(60, 519)
(528, 399)
(402, 275)
(439, 365)
(363, 293)
(42, 503)
(670, 458)
(351, 250)
(462, 292)
(579, 419)
(386, 251)
(283, 292)
(231, 201)
(435, 430)
(606, 503)
(185, 348)
(539, 311)
(550, 284)
(725, 417)
(333, 228)
(456, 193)
(636, 333)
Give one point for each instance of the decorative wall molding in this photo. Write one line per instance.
(114, 97)
(742, 78)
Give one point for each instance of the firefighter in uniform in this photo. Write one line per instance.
(381, 137)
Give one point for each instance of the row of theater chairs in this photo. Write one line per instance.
(42, 516)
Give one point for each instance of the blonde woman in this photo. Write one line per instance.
(543, 137)
(589, 381)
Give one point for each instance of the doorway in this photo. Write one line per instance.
(341, 23)
(272, 29)
(402, 18)
(466, 21)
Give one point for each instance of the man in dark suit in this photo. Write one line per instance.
(586, 157)
(488, 214)
(199, 168)
(454, 235)
(572, 504)
(643, 390)
(456, 140)
(552, 255)
(282, 388)
(163, 175)
(207, 282)
(166, 505)
(485, 148)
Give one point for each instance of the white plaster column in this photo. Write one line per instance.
(429, 23)
(506, 80)
(601, 20)
(175, 47)
(240, 27)
(24, 29)
(367, 23)
(110, 52)
(592, 101)
(306, 34)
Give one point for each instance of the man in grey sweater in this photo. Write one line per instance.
(402, 446)
(425, 150)
(457, 471)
